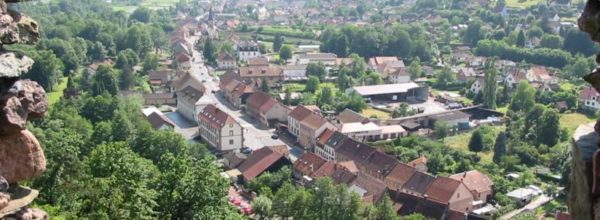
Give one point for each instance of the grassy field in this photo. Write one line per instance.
(572, 120)
(461, 142)
(371, 112)
(521, 3)
(153, 4)
(55, 95)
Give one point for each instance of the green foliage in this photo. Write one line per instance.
(316, 69)
(476, 142)
(524, 97)
(277, 43)
(209, 51)
(312, 85)
(490, 85)
(499, 147)
(415, 68)
(273, 181)
(441, 130)
(541, 56)
(105, 81)
(46, 69)
(445, 78)
(285, 53)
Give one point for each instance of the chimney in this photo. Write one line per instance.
(312, 169)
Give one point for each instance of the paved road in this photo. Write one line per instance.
(539, 201)
(255, 136)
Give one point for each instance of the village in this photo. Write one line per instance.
(255, 109)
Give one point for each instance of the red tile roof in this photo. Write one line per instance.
(442, 189)
(401, 173)
(422, 160)
(300, 112)
(258, 162)
(324, 137)
(474, 181)
(215, 116)
(308, 163)
(587, 93)
(260, 71)
(260, 102)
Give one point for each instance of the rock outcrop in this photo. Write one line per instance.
(21, 156)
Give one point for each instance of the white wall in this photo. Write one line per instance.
(226, 137)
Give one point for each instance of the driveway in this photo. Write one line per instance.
(539, 201)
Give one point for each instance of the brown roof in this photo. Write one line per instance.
(260, 71)
(258, 162)
(308, 163)
(190, 93)
(225, 56)
(282, 149)
(227, 78)
(324, 137)
(422, 160)
(401, 173)
(215, 116)
(182, 57)
(300, 112)
(374, 61)
(375, 188)
(260, 101)
(314, 121)
(354, 150)
(379, 162)
(326, 170)
(258, 61)
(588, 92)
(349, 165)
(418, 182)
(474, 181)
(342, 175)
(159, 75)
(562, 216)
(158, 120)
(442, 189)
(349, 116)
(242, 89)
(234, 158)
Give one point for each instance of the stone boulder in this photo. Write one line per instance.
(13, 65)
(16, 27)
(21, 157)
(24, 99)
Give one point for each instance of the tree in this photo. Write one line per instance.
(209, 51)
(441, 129)
(415, 68)
(473, 33)
(490, 85)
(524, 97)
(548, 128)
(445, 78)
(285, 53)
(521, 39)
(105, 81)
(277, 42)
(476, 142)
(262, 205)
(385, 210)
(150, 62)
(264, 86)
(499, 147)
(46, 69)
(138, 39)
(326, 96)
(142, 14)
(312, 85)
(316, 69)
(551, 41)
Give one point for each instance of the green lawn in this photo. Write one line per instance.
(572, 120)
(55, 95)
(461, 142)
(374, 112)
(153, 4)
(567, 86)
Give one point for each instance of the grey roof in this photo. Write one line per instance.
(419, 182)
(449, 116)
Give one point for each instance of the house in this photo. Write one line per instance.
(158, 99)
(308, 48)
(257, 74)
(328, 142)
(539, 74)
(369, 131)
(392, 92)
(523, 195)
(260, 161)
(406, 204)
(370, 190)
(374, 62)
(258, 61)
(377, 164)
(295, 117)
(589, 99)
(480, 185)
(350, 116)
(310, 166)
(219, 129)
(514, 77)
(398, 176)
(307, 125)
(266, 109)
(188, 102)
(159, 79)
(183, 60)
(327, 59)
(233, 159)
(159, 121)
(420, 164)
(246, 50)
(226, 61)
(417, 184)
(294, 72)
(465, 74)
(401, 75)
(477, 85)
(452, 192)
(386, 65)
(238, 93)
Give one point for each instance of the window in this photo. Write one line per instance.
(231, 141)
(230, 125)
(230, 132)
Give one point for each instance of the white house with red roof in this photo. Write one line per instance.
(219, 129)
(589, 99)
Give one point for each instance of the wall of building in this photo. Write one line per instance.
(231, 137)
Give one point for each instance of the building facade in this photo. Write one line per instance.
(219, 129)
